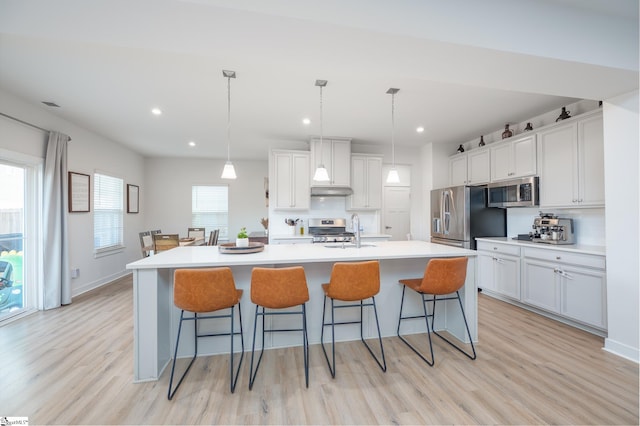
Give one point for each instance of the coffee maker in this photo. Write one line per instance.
(550, 229)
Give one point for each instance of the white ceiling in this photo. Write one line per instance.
(463, 67)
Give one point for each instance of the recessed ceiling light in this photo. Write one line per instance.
(306, 121)
(156, 111)
(192, 143)
(420, 129)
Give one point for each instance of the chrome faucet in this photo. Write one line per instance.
(355, 224)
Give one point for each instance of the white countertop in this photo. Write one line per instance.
(573, 248)
(203, 256)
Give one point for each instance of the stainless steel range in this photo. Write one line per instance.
(330, 231)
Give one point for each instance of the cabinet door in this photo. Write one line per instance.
(507, 276)
(478, 167)
(557, 149)
(340, 172)
(591, 161)
(374, 183)
(541, 287)
(584, 295)
(458, 170)
(524, 157)
(501, 162)
(283, 169)
(486, 279)
(300, 181)
(358, 182)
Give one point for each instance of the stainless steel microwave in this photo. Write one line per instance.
(522, 192)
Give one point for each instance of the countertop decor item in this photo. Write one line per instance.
(563, 115)
(243, 238)
(461, 149)
(481, 141)
(528, 128)
(231, 248)
(507, 133)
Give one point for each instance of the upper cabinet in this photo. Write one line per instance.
(469, 168)
(366, 182)
(514, 159)
(291, 180)
(571, 163)
(335, 154)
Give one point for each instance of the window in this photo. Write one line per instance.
(210, 208)
(108, 213)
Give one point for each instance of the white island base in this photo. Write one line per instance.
(156, 318)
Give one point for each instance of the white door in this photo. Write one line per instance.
(397, 205)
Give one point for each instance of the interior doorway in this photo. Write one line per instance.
(397, 212)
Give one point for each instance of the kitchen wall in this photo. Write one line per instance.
(167, 192)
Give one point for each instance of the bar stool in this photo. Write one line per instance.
(350, 282)
(201, 291)
(279, 288)
(442, 277)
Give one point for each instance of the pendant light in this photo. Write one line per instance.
(393, 177)
(229, 172)
(321, 174)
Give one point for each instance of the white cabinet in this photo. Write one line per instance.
(568, 284)
(291, 180)
(514, 159)
(366, 182)
(571, 163)
(335, 155)
(499, 269)
(470, 168)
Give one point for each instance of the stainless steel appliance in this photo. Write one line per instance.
(521, 192)
(330, 231)
(460, 214)
(550, 229)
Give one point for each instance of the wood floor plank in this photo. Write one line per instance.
(74, 365)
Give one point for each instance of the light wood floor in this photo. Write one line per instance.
(74, 366)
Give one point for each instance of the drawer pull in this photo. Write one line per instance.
(558, 258)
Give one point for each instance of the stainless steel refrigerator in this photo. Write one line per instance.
(460, 214)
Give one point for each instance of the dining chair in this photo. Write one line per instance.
(197, 233)
(213, 237)
(146, 243)
(442, 279)
(162, 242)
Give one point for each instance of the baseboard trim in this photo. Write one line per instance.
(622, 350)
(99, 283)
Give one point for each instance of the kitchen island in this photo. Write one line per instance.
(156, 319)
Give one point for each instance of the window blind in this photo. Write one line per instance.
(108, 213)
(210, 208)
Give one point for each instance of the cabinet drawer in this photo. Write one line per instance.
(558, 256)
(499, 248)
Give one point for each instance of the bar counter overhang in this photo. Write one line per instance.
(156, 318)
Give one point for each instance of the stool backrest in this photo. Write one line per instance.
(278, 288)
(444, 276)
(204, 290)
(354, 280)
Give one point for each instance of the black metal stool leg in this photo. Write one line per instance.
(171, 393)
(252, 373)
(464, 317)
(233, 380)
(426, 317)
(332, 368)
(305, 343)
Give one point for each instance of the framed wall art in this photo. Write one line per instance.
(133, 198)
(79, 192)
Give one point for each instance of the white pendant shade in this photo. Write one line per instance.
(229, 172)
(393, 176)
(321, 174)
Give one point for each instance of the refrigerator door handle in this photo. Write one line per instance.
(445, 212)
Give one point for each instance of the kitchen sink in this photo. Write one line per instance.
(349, 245)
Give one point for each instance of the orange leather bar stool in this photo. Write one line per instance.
(202, 291)
(351, 282)
(279, 288)
(442, 277)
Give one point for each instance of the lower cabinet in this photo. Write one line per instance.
(567, 285)
(499, 269)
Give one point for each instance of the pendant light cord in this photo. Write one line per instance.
(393, 128)
(228, 118)
(321, 152)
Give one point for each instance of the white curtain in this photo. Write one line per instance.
(57, 284)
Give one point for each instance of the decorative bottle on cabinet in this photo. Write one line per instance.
(481, 140)
(507, 133)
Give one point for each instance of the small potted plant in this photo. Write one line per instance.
(243, 238)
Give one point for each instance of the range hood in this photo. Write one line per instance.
(330, 191)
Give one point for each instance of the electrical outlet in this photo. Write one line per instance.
(75, 272)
